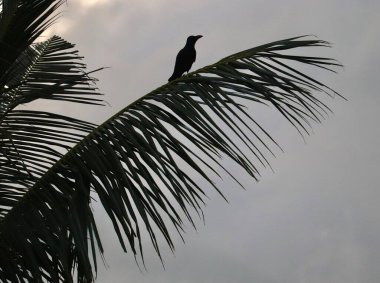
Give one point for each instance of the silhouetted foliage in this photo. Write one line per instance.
(141, 162)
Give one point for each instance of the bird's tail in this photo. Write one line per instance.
(173, 77)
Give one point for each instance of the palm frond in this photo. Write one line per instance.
(144, 163)
(48, 70)
(31, 141)
(21, 23)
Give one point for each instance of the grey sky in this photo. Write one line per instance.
(317, 218)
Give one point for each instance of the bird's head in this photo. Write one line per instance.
(193, 38)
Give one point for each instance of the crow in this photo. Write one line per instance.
(185, 57)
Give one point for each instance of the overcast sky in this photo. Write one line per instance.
(317, 218)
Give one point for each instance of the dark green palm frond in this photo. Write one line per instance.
(144, 163)
(31, 142)
(48, 70)
(21, 23)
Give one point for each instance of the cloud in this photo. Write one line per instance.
(90, 3)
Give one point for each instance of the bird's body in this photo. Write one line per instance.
(185, 57)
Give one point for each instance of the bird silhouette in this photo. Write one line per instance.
(185, 57)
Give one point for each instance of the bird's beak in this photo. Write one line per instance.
(199, 36)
